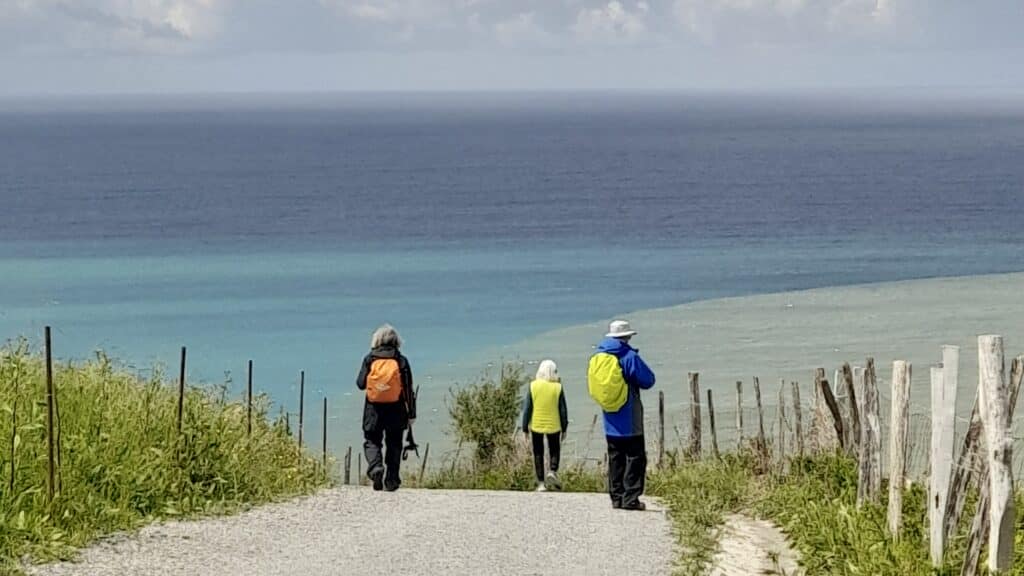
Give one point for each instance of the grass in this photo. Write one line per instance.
(122, 462)
(699, 495)
(513, 471)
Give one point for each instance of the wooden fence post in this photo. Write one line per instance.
(980, 527)
(695, 427)
(781, 413)
(832, 405)
(762, 441)
(181, 390)
(49, 414)
(248, 427)
(739, 414)
(302, 403)
(325, 435)
(798, 418)
(899, 433)
(995, 414)
(590, 435)
(853, 409)
(943, 431)
(963, 472)
(711, 423)
(423, 465)
(661, 428)
(348, 466)
(869, 469)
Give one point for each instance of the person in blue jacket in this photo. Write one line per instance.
(624, 429)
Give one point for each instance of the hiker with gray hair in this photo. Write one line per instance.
(389, 409)
(545, 417)
(615, 377)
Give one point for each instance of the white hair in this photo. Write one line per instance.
(548, 371)
(386, 335)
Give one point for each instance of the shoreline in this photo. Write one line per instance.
(785, 336)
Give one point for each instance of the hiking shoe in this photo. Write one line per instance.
(378, 482)
(541, 487)
(638, 507)
(553, 481)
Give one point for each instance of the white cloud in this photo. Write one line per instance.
(522, 30)
(114, 25)
(737, 22)
(612, 23)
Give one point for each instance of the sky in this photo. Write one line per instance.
(61, 47)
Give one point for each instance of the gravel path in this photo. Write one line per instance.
(410, 532)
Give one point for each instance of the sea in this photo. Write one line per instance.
(284, 229)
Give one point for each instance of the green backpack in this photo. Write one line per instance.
(605, 382)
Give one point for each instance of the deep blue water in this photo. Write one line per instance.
(285, 230)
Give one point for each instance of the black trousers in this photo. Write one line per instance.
(383, 449)
(627, 469)
(554, 448)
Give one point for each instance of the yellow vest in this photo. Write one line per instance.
(546, 419)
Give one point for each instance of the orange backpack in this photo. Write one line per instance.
(384, 382)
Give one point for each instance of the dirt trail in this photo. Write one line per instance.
(750, 547)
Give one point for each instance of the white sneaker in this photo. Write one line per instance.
(553, 481)
(541, 487)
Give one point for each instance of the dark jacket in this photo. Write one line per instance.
(377, 417)
(628, 420)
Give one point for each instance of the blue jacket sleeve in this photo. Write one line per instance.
(527, 412)
(636, 371)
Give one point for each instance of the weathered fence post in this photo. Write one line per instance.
(181, 389)
(943, 409)
(325, 435)
(248, 426)
(869, 469)
(739, 414)
(853, 408)
(302, 403)
(661, 428)
(590, 435)
(798, 417)
(423, 465)
(781, 413)
(49, 414)
(995, 414)
(695, 427)
(899, 433)
(348, 466)
(711, 423)
(762, 441)
(980, 527)
(832, 405)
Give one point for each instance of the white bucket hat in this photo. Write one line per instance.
(619, 329)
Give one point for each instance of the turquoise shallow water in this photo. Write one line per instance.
(286, 234)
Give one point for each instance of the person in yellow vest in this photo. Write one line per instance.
(616, 372)
(545, 417)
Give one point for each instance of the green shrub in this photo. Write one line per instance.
(122, 462)
(484, 414)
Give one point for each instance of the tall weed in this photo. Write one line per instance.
(122, 462)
